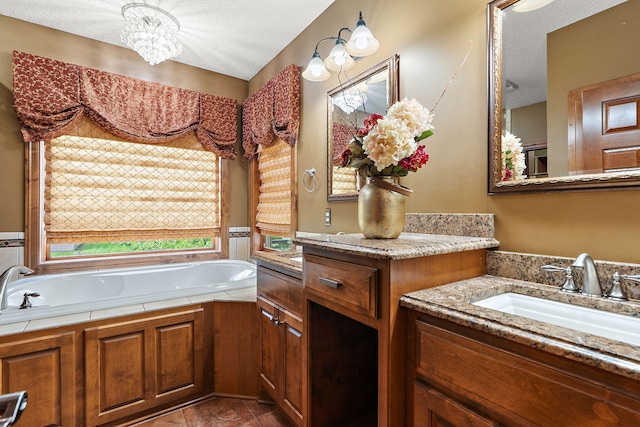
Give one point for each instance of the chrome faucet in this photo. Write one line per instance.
(590, 281)
(6, 278)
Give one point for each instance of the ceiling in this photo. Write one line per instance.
(232, 37)
(525, 49)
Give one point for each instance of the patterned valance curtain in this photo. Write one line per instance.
(342, 136)
(272, 111)
(51, 96)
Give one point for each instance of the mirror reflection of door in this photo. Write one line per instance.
(604, 127)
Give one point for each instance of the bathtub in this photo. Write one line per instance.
(69, 293)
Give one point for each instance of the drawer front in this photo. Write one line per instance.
(284, 290)
(351, 286)
(517, 390)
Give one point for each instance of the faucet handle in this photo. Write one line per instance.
(569, 285)
(617, 292)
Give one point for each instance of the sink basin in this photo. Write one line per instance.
(614, 326)
(297, 259)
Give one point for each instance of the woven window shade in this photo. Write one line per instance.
(344, 180)
(274, 199)
(103, 190)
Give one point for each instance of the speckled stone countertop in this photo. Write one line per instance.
(407, 245)
(291, 261)
(453, 302)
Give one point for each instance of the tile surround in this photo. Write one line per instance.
(11, 249)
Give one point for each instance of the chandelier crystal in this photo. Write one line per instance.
(151, 32)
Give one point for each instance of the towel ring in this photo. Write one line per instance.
(312, 173)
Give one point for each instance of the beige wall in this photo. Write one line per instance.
(530, 123)
(431, 37)
(38, 40)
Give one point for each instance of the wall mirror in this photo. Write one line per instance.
(564, 77)
(373, 91)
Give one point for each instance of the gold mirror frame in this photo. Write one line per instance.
(391, 67)
(610, 180)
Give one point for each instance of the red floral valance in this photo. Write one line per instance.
(50, 97)
(273, 110)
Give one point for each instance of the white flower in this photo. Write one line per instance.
(416, 118)
(513, 161)
(393, 137)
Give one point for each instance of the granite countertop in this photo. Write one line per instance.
(453, 302)
(291, 261)
(407, 245)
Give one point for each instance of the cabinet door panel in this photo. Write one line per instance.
(433, 409)
(121, 359)
(292, 365)
(44, 367)
(267, 315)
(176, 356)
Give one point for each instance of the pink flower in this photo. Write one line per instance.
(416, 160)
(344, 158)
(369, 123)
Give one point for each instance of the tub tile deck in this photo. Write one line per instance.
(218, 412)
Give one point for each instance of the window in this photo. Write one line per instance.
(96, 200)
(274, 197)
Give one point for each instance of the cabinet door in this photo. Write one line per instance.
(433, 409)
(269, 354)
(44, 367)
(292, 370)
(138, 365)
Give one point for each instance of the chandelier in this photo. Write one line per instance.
(349, 101)
(151, 32)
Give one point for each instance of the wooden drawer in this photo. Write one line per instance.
(284, 290)
(514, 389)
(351, 286)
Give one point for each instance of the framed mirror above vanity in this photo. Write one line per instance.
(373, 91)
(564, 78)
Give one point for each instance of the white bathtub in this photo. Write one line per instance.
(68, 293)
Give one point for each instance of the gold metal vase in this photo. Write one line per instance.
(381, 207)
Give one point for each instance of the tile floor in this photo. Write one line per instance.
(221, 412)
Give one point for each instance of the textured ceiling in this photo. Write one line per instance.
(233, 37)
(525, 45)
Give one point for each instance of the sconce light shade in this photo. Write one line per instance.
(530, 5)
(362, 42)
(316, 71)
(339, 59)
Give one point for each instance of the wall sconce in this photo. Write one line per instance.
(341, 58)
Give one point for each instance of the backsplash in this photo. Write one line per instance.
(527, 267)
(469, 225)
(11, 249)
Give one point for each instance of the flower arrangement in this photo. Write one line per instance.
(389, 145)
(513, 164)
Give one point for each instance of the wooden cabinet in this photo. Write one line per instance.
(137, 365)
(464, 377)
(45, 366)
(355, 332)
(280, 331)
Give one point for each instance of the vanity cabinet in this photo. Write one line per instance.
(136, 365)
(355, 332)
(465, 377)
(45, 366)
(280, 333)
